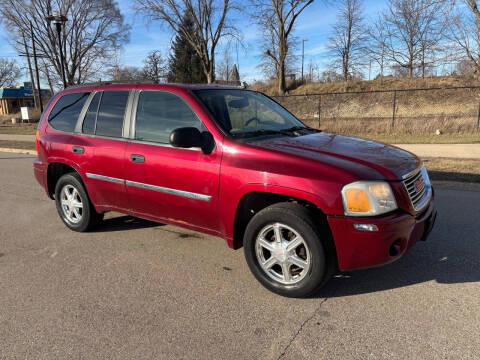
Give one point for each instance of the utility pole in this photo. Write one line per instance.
(303, 58)
(27, 54)
(39, 90)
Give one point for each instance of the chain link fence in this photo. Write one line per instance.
(415, 111)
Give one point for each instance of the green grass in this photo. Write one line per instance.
(19, 129)
(30, 129)
(24, 145)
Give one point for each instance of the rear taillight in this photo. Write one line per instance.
(37, 136)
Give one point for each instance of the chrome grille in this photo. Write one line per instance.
(418, 188)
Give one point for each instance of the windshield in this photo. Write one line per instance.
(243, 113)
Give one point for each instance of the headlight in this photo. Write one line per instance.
(368, 198)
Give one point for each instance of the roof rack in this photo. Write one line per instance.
(112, 82)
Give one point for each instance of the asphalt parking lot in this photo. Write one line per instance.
(136, 289)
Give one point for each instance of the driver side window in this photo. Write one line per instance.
(248, 112)
(161, 112)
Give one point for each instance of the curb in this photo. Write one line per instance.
(19, 151)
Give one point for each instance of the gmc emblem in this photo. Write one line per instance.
(418, 185)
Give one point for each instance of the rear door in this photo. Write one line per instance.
(164, 182)
(100, 147)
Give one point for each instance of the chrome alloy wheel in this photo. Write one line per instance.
(72, 205)
(282, 253)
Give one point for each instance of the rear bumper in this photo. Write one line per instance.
(40, 172)
(396, 234)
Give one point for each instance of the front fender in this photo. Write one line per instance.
(229, 203)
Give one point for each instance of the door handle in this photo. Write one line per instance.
(136, 158)
(78, 149)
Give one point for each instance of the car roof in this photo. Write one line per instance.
(143, 85)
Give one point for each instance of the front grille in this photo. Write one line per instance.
(418, 188)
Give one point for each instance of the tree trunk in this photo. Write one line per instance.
(282, 84)
(47, 75)
(345, 67)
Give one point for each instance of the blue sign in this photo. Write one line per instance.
(28, 89)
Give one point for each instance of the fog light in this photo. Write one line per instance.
(365, 227)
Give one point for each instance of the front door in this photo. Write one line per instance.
(167, 183)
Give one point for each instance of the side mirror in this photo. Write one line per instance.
(189, 137)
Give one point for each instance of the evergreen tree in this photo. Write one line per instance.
(184, 63)
(235, 75)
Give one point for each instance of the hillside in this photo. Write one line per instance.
(353, 108)
(373, 85)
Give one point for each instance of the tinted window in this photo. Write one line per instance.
(111, 113)
(159, 113)
(91, 116)
(66, 111)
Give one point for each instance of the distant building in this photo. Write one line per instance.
(12, 99)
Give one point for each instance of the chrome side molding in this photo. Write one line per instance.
(105, 178)
(165, 190)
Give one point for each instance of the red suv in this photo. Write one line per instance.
(233, 163)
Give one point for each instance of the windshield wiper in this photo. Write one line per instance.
(262, 132)
(298, 128)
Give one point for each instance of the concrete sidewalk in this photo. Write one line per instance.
(459, 151)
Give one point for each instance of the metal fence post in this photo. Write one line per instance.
(320, 110)
(478, 117)
(394, 108)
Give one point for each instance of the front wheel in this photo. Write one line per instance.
(285, 250)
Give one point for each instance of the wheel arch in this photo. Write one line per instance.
(55, 170)
(253, 202)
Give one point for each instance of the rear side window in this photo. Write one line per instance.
(159, 113)
(66, 111)
(90, 120)
(111, 113)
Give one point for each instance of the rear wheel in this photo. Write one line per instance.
(73, 204)
(285, 250)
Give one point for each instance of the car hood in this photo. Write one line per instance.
(390, 161)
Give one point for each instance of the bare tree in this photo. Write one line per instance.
(93, 33)
(415, 28)
(211, 23)
(330, 76)
(277, 19)
(348, 36)
(224, 68)
(9, 72)
(464, 31)
(154, 66)
(126, 73)
(268, 65)
(375, 50)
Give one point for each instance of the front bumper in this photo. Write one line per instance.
(396, 234)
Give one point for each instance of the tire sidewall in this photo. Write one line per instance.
(70, 179)
(316, 274)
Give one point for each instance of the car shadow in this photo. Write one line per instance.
(451, 254)
(125, 222)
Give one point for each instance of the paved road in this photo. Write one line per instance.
(136, 289)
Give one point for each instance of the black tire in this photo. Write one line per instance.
(317, 237)
(89, 217)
